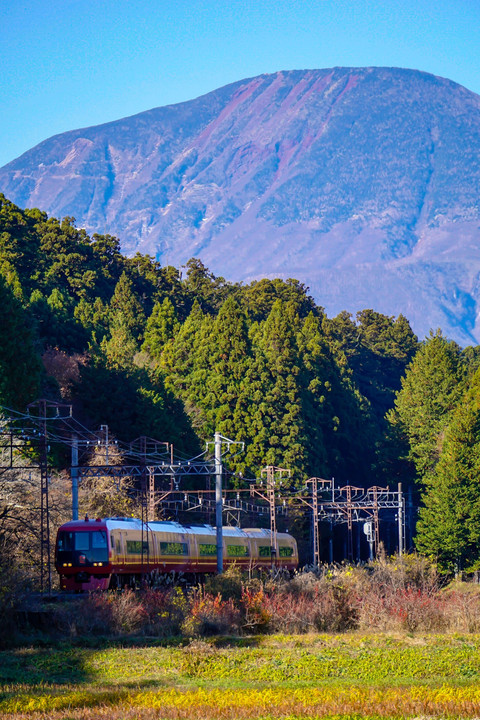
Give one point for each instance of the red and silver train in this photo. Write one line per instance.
(119, 552)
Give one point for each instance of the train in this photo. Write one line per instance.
(117, 552)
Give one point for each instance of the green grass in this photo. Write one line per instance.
(344, 676)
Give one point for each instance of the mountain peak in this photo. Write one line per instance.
(361, 182)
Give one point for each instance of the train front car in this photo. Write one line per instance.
(124, 552)
(82, 555)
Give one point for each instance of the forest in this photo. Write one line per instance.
(178, 353)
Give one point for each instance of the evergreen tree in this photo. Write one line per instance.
(161, 327)
(377, 348)
(93, 317)
(208, 290)
(278, 417)
(109, 261)
(258, 297)
(335, 415)
(138, 404)
(19, 245)
(227, 357)
(430, 391)
(449, 525)
(126, 310)
(120, 347)
(19, 363)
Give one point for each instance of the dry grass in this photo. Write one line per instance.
(257, 703)
(354, 676)
(181, 665)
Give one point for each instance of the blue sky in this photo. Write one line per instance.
(73, 63)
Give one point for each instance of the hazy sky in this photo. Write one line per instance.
(67, 64)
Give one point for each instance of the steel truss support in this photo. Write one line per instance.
(351, 504)
(46, 409)
(271, 473)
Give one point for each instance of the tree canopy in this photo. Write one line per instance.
(178, 354)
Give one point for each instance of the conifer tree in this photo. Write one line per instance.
(19, 363)
(161, 327)
(93, 317)
(333, 412)
(179, 355)
(120, 347)
(125, 308)
(208, 290)
(279, 417)
(227, 355)
(449, 525)
(184, 362)
(430, 391)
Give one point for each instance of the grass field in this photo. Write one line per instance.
(328, 676)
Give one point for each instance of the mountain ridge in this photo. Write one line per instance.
(360, 182)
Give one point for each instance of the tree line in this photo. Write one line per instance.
(177, 354)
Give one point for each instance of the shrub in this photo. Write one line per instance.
(165, 611)
(462, 605)
(405, 571)
(14, 586)
(290, 613)
(256, 615)
(326, 599)
(337, 609)
(228, 585)
(211, 615)
(102, 614)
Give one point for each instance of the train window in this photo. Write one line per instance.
(82, 541)
(264, 551)
(173, 548)
(237, 551)
(134, 547)
(99, 539)
(65, 541)
(118, 546)
(208, 549)
(285, 552)
(91, 544)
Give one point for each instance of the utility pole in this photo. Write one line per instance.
(218, 501)
(349, 524)
(44, 505)
(219, 440)
(376, 527)
(271, 471)
(104, 428)
(314, 481)
(74, 476)
(330, 540)
(146, 446)
(400, 516)
(45, 561)
(316, 534)
(273, 518)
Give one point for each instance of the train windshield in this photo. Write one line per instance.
(90, 544)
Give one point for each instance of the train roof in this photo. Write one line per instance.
(125, 523)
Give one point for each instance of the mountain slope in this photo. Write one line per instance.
(363, 183)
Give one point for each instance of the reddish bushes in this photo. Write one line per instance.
(402, 594)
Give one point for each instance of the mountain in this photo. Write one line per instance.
(363, 183)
